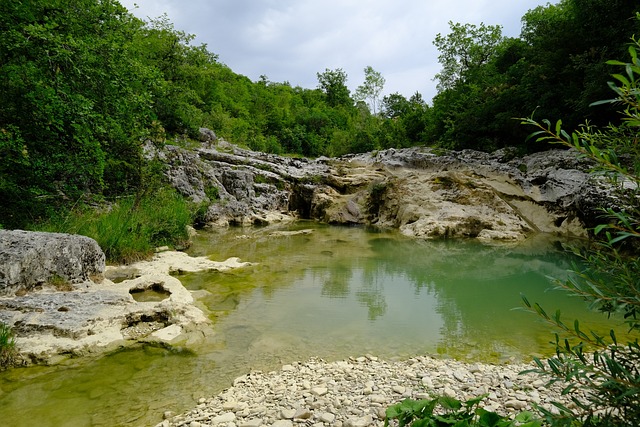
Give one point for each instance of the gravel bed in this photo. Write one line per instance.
(357, 391)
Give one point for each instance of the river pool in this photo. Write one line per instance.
(330, 292)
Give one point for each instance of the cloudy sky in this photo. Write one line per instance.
(292, 40)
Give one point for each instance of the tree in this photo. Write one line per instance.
(334, 85)
(606, 370)
(464, 50)
(74, 103)
(371, 89)
(568, 46)
(394, 105)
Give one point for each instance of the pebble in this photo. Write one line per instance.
(302, 414)
(224, 418)
(398, 389)
(357, 391)
(288, 414)
(319, 391)
(327, 417)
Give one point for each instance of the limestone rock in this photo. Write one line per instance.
(207, 135)
(28, 259)
(102, 316)
(488, 196)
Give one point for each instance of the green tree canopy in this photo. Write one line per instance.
(371, 89)
(464, 50)
(334, 85)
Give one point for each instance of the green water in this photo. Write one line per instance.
(333, 293)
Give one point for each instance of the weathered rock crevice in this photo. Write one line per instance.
(469, 194)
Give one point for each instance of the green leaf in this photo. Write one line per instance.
(558, 127)
(621, 79)
(475, 401)
(489, 419)
(449, 403)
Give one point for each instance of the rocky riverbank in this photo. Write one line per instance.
(422, 192)
(357, 391)
(62, 301)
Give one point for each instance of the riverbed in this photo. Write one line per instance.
(313, 291)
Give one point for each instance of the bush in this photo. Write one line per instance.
(602, 369)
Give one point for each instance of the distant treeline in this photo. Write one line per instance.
(83, 83)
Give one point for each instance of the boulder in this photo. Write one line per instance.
(207, 135)
(29, 259)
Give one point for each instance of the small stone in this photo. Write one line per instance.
(515, 404)
(230, 406)
(287, 413)
(398, 389)
(168, 414)
(327, 417)
(426, 381)
(227, 417)
(365, 421)
(376, 398)
(302, 414)
(319, 391)
(460, 376)
(282, 423)
(288, 368)
(448, 391)
(195, 424)
(255, 422)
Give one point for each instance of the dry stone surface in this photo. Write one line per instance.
(356, 392)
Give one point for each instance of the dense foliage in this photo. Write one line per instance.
(605, 369)
(446, 411)
(84, 83)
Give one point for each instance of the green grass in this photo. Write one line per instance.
(7, 346)
(130, 229)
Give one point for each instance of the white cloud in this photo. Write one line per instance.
(292, 40)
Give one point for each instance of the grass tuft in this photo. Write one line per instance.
(7, 346)
(130, 229)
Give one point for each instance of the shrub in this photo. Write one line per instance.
(604, 370)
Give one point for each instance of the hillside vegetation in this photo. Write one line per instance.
(83, 83)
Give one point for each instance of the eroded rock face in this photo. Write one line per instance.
(469, 194)
(90, 316)
(28, 259)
